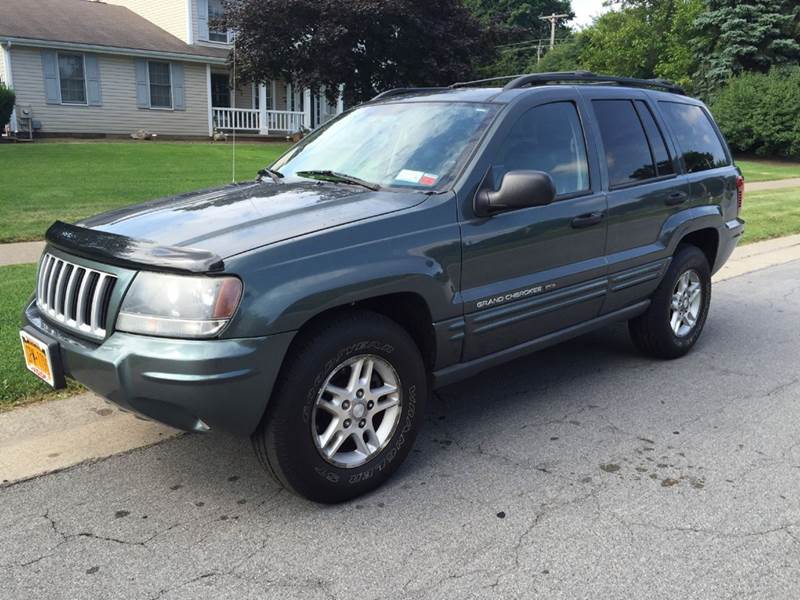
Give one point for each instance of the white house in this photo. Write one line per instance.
(82, 67)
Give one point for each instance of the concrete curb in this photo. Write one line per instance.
(760, 255)
(50, 436)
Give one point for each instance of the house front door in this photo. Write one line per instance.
(220, 90)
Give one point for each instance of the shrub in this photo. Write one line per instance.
(760, 113)
(7, 99)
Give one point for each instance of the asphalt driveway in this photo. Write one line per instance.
(584, 471)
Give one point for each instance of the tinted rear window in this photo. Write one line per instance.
(657, 145)
(627, 153)
(697, 140)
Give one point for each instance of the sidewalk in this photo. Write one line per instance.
(777, 184)
(20, 252)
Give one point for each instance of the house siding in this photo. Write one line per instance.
(170, 15)
(118, 113)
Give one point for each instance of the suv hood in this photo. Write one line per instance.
(243, 216)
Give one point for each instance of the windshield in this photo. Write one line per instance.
(418, 145)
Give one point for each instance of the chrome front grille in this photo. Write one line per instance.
(74, 296)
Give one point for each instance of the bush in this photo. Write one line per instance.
(7, 99)
(760, 113)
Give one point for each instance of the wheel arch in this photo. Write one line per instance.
(408, 309)
(699, 226)
(707, 240)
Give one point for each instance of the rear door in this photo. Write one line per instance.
(644, 187)
(529, 272)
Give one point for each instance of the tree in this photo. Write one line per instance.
(644, 38)
(564, 57)
(518, 27)
(364, 45)
(760, 112)
(7, 99)
(747, 35)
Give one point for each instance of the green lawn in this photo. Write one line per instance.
(42, 182)
(771, 214)
(17, 385)
(766, 170)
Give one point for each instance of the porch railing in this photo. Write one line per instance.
(249, 119)
(284, 120)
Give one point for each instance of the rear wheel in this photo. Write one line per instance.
(678, 308)
(346, 409)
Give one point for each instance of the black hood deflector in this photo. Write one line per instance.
(123, 251)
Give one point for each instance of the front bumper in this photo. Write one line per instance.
(189, 384)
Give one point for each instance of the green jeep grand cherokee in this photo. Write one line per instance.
(415, 240)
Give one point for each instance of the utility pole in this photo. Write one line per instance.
(553, 22)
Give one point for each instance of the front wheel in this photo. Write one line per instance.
(346, 410)
(678, 309)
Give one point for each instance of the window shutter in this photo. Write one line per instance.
(178, 87)
(52, 87)
(94, 93)
(202, 19)
(142, 93)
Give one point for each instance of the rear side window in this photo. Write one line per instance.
(659, 148)
(627, 152)
(548, 138)
(697, 141)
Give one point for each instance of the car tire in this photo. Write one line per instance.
(294, 440)
(675, 318)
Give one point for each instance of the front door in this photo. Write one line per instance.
(533, 271)
(220, 90)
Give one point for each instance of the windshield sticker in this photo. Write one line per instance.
(428, 179)
(409, 176)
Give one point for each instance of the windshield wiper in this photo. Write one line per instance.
(276, 176)
(335, 177)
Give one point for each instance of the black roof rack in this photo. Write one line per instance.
(589, 77)
(409, 90)
(487, 80)
(530, 79)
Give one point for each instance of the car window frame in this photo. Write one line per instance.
(678, 150)
(587, 152)
(662, 133)
(602, 148)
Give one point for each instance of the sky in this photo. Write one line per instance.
(585, 10)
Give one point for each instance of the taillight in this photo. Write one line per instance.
(739, 193)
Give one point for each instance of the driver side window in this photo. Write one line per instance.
(548, 138)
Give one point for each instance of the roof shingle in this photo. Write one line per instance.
(92, 23)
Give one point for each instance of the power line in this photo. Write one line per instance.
(529, 42)
(553, 22)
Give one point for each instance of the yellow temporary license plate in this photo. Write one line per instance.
(37, 358)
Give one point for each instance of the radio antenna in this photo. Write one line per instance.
(233, 111)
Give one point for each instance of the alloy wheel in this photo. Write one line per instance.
(356, 411)
(687, 301)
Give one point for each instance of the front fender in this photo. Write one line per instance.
(288, 284)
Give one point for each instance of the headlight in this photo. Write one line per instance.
(178, 305)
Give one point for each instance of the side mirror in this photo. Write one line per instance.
(518, 189)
